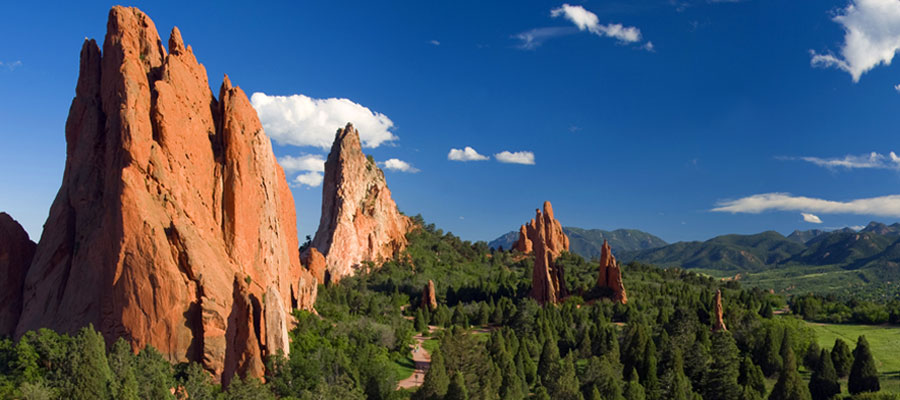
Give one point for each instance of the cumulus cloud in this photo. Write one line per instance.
(394, 164)
(308, 162)
(518, 157)
(532, 39)
(871, 37)
(304, 121)
(588, 21)
(311, 179)
(466, 154)
(884, 206)
(811, 218)
(872, 160)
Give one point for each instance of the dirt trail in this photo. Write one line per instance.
(422, 358)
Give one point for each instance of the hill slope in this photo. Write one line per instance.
(587, 242)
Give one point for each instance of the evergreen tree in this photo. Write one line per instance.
(154, 375)
(91, 375)
(766, 311)
(548, 365)
(675, 385)
(419, 322)
(124, 384)
(841, 357)
(566, 387)
(811, 358)
(529, 367)
(789, 386)
(823, 384)
(595, 394)
(436, 379)
(198, 384)
(457, 389)
(766, 355)
(752, 380)
(721, 382)
(247, 389)
(633, 389)
(541, 394)
(863, 374)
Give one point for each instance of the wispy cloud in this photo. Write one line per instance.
(811, 218)
(434, 42)
(394, 164)
(10, 65)
(311, 179)
(585, 20)
(872, 160)
(532, 39)
(518, 157)
(466, 154)
(300, 120)
(307, 162)
(884, 206)
(871, 37)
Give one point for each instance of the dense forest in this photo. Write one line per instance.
(489, 340)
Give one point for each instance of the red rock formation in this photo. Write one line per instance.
(169, 196)
(360, 221)
(610, 274)
(719, 323)
(16, 253)
(429, 297)
(556, 240)
(315, 263)
(545, 237)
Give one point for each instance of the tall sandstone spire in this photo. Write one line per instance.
(360, 221)
(174, 225)
(610, 274)
(719, 313)
(544, 236)
(16, 253)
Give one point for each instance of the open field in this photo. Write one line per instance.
(884, 341)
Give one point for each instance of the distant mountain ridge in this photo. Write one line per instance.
(588, 242)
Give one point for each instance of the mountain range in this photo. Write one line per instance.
(588, 242)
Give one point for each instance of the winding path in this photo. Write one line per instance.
(422, 359)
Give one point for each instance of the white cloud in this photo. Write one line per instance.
(11, 65)
(308, 162)
(311, 178)
(303, 121)
(434, 42)
(532, 39)
(467, 154)
(871, 37)
(884, 206)
(519, 157)
(588, 21)
(811, 218)
(872, 160)
(857, 227)
(897, 87)
(394, 164)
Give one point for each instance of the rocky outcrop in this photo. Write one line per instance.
(174, 225)
(16, 253)
(544, 236)
(360, 221)
(429, 297)
(718, 313)
(610, 274)
(555, 239)
(315, 263)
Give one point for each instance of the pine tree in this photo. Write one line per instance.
(633, 389)
(863, 374)
(752, 379)
(541, 394)
(789, 386)
(548, 365)
(457, 389)
(721, 382)
(420, 323)
(154, 375)
(766, 355)
(675, 385)
(198, 384)
(91, 375)
(811, 358)
(823, 384)
(124, 384)
(436, 379)
(841, 357)
(566, 386)
(594, 394)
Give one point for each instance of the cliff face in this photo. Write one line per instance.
(16, 253)
(174, 225)
(360, 221)
(610, 274)
(544, 236)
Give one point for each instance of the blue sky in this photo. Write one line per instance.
(732, 103)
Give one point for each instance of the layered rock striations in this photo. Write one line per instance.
(174, 225)
(544, 237)
(360, 221)
(429, 296)
(16, 253)
(610, 274)
(718, 313)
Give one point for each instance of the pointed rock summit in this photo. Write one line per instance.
(719, 323)
(610, 275)
(16, 253)
(174, 225)
(544, 236)
(429, 297)
(360, 221)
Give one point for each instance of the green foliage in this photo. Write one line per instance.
(841, 357)
(197, 383)
(91, 375)
(752, 380)
(457, 388)
(789, 386)
(155, 377)
(721, 382)
(436, 380)
(824, 384)
(124, 384)
(247, 389)
(863, 374)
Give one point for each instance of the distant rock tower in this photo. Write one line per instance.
(429, 297)
(610, 275)
(544, 236)
(719, 323)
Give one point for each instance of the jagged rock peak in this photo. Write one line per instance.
(173, 216)
(610, 274)
(544, 237)
(556, 239)
(16, 253)
(429, 296)
(360, 221)
(718, 313)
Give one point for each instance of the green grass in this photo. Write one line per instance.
(431, 345)
(884, 341)
(404, 368)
